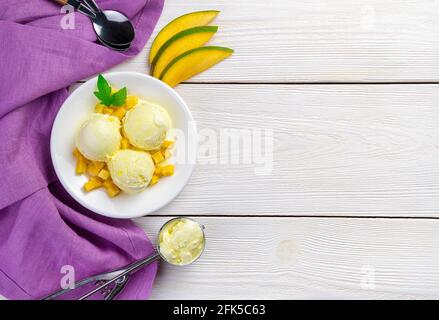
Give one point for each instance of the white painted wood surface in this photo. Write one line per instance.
(302, 258)
(317, 40)
(339, 150)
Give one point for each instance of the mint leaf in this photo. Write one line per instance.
(99, 95)
(105, 100)
(104, 93)
(103, 86)
(118, 98)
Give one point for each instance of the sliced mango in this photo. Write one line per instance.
(92, 184)
(180, 43)
(95, 167)
(158, 170)
(111, 188)
(119, 112)
(167, 170)
(167, 143)
(124, 143)
(81, 166)
(167, 154)
(108, 183)
(99, 108)
(81, 162)
(154, 180)
(104, 174)
(112, 192)
(193, 62)
(157, 157)
(190, 20)
(76, 153)
(108, 110)
(131, 101)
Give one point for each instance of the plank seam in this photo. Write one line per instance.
(292, 216)
(317, 83)
(306, 83)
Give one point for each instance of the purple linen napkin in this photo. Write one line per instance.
(41, 228)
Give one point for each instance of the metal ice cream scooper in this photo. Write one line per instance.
(180, 242)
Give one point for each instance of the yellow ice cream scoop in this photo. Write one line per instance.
(146, 125)
(181, 241)
(99, 137)
(131, 170)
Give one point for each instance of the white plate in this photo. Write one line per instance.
(80, 105)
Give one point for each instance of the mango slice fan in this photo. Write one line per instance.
(178, 52)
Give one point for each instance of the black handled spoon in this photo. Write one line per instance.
(112, 28)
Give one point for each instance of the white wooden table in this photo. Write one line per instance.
(351, 92)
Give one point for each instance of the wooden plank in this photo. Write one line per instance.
(338, 150)
(306, 258)
(343, 150)
(317, 40)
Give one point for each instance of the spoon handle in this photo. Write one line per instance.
(64, 2)
(61, 2)
(92, 5)
(128, 270)
(74, 3)
(78, 6)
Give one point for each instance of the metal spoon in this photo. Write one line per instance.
(112, 28)
(116, 47)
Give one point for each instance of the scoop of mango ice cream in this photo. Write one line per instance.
(131, 170)
(99, 137)
(181, 241)
(146, 125)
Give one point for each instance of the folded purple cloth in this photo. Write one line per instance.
(41, 228)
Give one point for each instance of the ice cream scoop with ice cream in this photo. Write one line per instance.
(146, 125)
(99, 137)
(181, 241)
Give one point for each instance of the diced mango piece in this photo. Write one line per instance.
(81, 163)
(167, 143)
(167, 170)
(119, 112)
(108, 110)
(99, 108)
(158, 170)
(81, 166)
(113, 191)
(111, 188)
(167, 154)
(124, 143)
(108, 183)
(131, 101)
(157, 157)
(92, 184)
(95, 167)
(154, 180)
(104, 174)
(122, 132)
(113, 90)
(76, 153)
